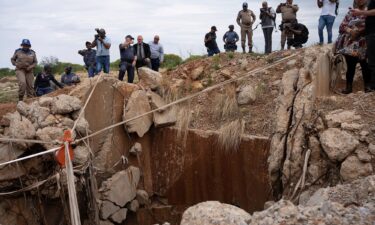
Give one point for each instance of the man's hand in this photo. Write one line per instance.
(29, 68)
(357, 12)
(100, 39)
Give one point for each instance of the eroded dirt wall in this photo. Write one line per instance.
(202, 171)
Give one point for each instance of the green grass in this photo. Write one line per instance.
(9, 96)
(192, 58)
(171, 61)
(6, 72)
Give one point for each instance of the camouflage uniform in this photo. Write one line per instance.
(24, 61)
(245, 20)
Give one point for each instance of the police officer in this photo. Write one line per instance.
(24, 59)
(245, 20)
(230, 39)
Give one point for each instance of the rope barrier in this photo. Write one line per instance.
(27, 141)
(188, 97)
(87, 101)
(29, 156)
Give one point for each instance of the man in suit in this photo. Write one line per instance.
(143, 53)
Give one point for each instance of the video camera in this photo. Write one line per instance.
(99, 33)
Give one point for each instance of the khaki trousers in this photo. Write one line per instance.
(285, 35)
(25, 83)
(249, 33)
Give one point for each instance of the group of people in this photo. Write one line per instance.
(132, 56)
(356, 42)
(293, 34)
(24, 59)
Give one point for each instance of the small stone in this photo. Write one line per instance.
(119, 216)
(364, 133)
(136, 148)
(134, 205)
(197, 72)
(371, 148)
(352, 168)
(246, 95)
(337, 117)
(107, 208)
(142, 197)
(352, 126)
(268, 204)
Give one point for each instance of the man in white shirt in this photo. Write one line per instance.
(157, 53)
(327, 18)
(102, 44)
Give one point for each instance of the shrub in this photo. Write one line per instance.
(171, 61)
(6, 72)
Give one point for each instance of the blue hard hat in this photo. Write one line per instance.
(244, 4)
(26, 42)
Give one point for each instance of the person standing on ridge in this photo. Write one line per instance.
(370, 39)
(89, 58)
(327, 18)
(210, 42)
(267, 17)
(289, 17)
(24, 59)
(102, 44)
(128, 59)
(157, 53)
(230, 39)
(245, 20)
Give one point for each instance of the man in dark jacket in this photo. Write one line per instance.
(230, 39)
(89, 58)
(143, 53)
(210, 42)
(42, 83)
(128, 59)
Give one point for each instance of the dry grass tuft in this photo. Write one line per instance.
(183, 121)
(230, 135)
(226, 104)
(168, 92)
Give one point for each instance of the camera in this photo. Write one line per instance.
(99, 33)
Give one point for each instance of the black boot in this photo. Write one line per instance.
(250, 49)
(348, 89)
(243, 50)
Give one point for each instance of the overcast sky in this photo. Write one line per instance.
(60, 28)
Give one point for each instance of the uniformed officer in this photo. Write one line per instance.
(24, 59)
(245, 20)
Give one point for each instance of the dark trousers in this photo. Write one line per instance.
(126, 67)
(142, 62)
(371, 58)
(213, 51)
(352, 64)
(155, 64)
(267, 32)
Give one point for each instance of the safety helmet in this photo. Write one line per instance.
(26, 42)
(244, 4)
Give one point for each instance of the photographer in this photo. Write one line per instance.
(102, 44)
(230, 39)
(327, 18)
(289, 16)
(267, 17)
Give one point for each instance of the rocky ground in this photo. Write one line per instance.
(322, 146)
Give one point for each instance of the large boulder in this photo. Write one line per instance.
(20, 127)
(64, 104)
(337, 144)
(215, 213)
(11, 171)
(38, 114)
(150, 78)
(81, 155)
(246, 95)
(162, 117)
(138, 104)
(121, 187)
(352, 168)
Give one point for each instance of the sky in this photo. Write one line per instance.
(60, 28)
